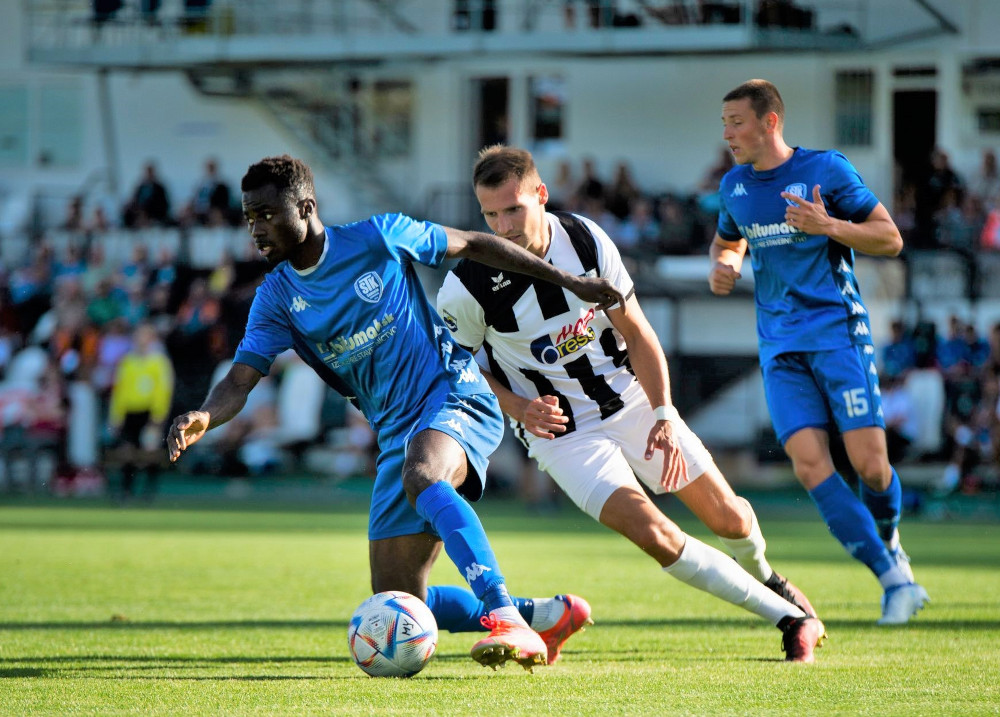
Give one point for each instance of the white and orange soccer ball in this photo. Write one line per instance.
(392, 634)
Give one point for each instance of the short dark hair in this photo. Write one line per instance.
(763, 95)
(286, 173)
(498, 164)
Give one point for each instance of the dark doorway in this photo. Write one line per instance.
(493, 94)
(914, 131)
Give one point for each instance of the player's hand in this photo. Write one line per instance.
(598, 291)
(544, 418)
(675, 470)
(186, 430)
(805, 216)
(722, 279)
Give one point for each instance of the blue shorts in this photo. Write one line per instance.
(818, 389)
(475, 421)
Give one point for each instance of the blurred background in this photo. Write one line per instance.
(126, 125)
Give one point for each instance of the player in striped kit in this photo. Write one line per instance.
(587, 391)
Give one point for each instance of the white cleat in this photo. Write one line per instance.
(902, 602)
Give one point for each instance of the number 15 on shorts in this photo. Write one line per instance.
(856, 402)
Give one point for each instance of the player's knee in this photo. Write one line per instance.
(876, 474)
(734, 520)
(663, 541)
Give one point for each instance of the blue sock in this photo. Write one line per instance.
(458, 610)
(885, 507)
(465, 541)
(851, 523)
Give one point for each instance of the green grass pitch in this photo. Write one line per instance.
(226, 611)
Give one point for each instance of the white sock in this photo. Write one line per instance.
(510, 614)
(749, 550)
(892, 577)
(548, 612)
(711, 570)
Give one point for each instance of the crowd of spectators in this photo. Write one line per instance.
(644, 225)
(963, 367)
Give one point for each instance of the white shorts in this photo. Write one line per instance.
(590, 465)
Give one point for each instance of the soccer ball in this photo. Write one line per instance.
(392, 634)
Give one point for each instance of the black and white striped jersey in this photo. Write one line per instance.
(539, 339)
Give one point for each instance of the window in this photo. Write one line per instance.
(854, 91)
(60, 137)
(548, 106)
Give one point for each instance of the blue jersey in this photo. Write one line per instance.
(361, 320)
(804, 285)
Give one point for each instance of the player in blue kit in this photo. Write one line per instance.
(802, 213)
(348, 301)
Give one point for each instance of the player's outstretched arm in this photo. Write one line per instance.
(504, 254)
(224, 401)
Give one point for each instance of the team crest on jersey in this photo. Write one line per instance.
(450, 321)
(798, 189)
(369, 287)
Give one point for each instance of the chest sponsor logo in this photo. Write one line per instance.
(368, 287)
(798, 189)
(570, 339)
(348, 349)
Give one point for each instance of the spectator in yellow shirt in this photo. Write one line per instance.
(140, 403)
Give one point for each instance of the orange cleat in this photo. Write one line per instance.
(800, 636)
(508, 640)
(575, 618)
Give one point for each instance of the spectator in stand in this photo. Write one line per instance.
(140, 403)
(959, 222)
(677, 226)
(165, 270)
(708, 187)
(99, 223)
(150, 203)
(930, 196)
(98, 268)
(70, 264)
(992, 365)
(106, 304)
(590, 188)
(30, 288)
(73, 222)
(902, 424)
(977, 349)
(137, 303)
(212, 202)
(159, 308)
(562, 191)
(986, 183)
(639, 234)
(136, 269)
(622, 193)
(953, 351)
(970, 424)
(898, 354)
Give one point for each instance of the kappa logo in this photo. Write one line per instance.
(475, 570)
(738, 191)
(798, 189)
(368, 287)
(298, 304)
(499, 282)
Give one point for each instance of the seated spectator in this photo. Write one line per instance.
(677, 226)
(150, 203)
(70, 264)
(959, 222)
(971, 427)
(622, 192)
(99, 224)
(590, 189)
(113, 344)
(639, 234)
(212, 202)
(107, 304)
(899, 355)
(73, 221)
(902, 425)
(562, 189)
(985, 184)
